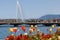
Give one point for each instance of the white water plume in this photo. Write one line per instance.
(19, 11)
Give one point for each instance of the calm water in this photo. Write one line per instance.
(4, 30)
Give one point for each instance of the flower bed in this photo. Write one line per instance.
(37, 36)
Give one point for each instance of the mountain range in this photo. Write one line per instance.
(48, 17)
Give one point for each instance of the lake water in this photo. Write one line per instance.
(4, 30)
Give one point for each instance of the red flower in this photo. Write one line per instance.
(19, 37)
(34, 28)
(43, 37)
(15, 29)
(24, 37)
(11, 37)
(23, 28)
(7, 38)
(48, 36)
(43, 34)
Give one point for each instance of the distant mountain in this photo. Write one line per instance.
(48, 17)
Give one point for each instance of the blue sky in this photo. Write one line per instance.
(31, 8)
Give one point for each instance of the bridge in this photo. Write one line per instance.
(29, 23)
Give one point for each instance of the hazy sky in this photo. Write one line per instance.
(31, 8)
